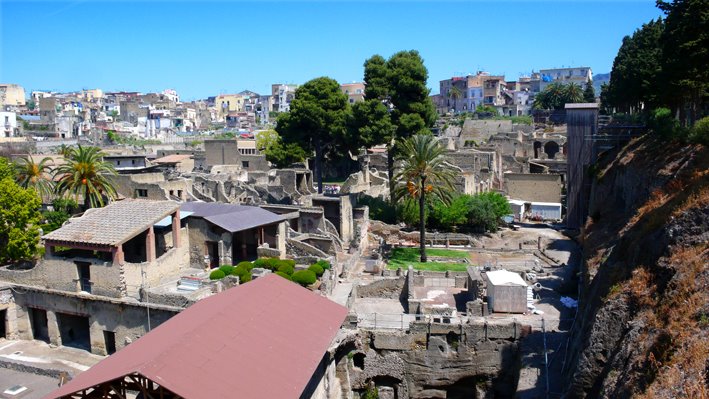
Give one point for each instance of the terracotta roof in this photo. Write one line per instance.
(114, 224)
(265, 339)
(174, 158)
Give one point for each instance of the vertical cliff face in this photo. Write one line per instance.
(643, 324)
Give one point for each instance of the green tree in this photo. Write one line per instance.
(114, 115)
(556, 95)
(279, 154)
(552, 97)
(369, 124)
(266, 139)
(636, 71)
(399, 84)
(455, 94)
(19, 222)
(486, 210)
(65, 150)
(485, 111)
(63, 208)
(316, 121)
(31, 105)
(447, 216)
(422, 171)
(7, 168)
(589, 94)
(573, 93)
(35, 175)
(684, 42)
(86, 174)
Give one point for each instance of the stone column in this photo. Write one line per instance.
(55, 337)
(96, 337)
(117, 255)
(48, 250)
(176, 229)
(281, 238)
(18, 323)
(150, 245)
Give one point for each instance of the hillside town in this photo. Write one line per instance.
(543, 236)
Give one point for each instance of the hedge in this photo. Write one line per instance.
(317, 269)
(304, 277)
(286, 268)
(216, 275)
(246, 265)
(323, 263)
(227, 269)
(284, 275)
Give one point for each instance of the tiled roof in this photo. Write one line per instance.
(113, 224)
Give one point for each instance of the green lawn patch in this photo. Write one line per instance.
(403, 257)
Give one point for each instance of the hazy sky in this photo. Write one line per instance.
(206, 48)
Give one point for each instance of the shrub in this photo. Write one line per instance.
(317, 269)
(260, 263)
(700, 131)
(272, 264)
(379, 209)
(216, 275)
(304, 277)
(663, 123)
(245, 278)
(227, 269)
(324, 264)
(289, 262)
(246, 265)
(286, 269)
(284, 275)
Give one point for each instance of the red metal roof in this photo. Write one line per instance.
(263, 339)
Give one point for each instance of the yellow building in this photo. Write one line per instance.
(92, 94)
(11, 94)
(225, 103)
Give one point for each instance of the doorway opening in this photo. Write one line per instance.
(74, 331)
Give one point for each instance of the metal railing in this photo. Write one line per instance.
(402, 321)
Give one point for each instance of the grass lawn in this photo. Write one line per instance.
(403, 257)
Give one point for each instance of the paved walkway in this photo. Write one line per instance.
(41, 355)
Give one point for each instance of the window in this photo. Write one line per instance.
(245, 164)
(118, 163)
(132, 161)
(142, 193)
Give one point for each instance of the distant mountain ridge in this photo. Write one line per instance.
(599, 79)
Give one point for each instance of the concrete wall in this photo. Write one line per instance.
(154, 184)
(534, 187)
(222, 152)
(507, 298)
(107, 279)
(127, 320)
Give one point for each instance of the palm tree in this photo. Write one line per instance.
(64, 150)
(573, 93)
(36, 175)
(422, 171)
(455, 94)
(85, 173)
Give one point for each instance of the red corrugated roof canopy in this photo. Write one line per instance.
(263, 339)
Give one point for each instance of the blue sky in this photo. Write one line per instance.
(207, 48)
